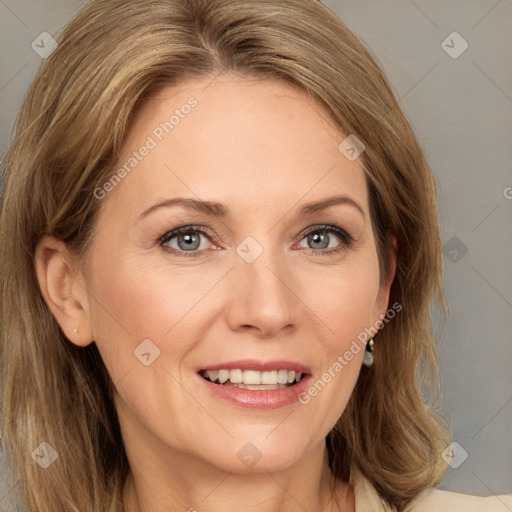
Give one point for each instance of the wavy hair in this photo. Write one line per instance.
(69, 133)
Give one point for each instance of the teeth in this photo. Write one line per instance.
(236, 376)
(282, 376)
(262, 386)
(253, 379)
(269, 377)
(212, 375)
(223, 376)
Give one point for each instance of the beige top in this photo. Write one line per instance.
(433, 500)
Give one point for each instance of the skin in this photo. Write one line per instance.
(262, 149)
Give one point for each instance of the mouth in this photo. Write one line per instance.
(253, 379)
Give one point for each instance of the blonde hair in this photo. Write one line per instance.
(69, 133)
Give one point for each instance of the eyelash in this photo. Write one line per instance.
(346, 239)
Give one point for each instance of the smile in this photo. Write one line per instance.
(253, 379)
(256, 384)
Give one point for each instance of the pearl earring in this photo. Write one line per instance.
(75, 330)
(368, 354)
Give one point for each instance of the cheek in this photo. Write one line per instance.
(130, 303)
(139, 298)
(345, 299)
(152, 304)
(346, 313)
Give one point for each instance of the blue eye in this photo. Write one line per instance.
(186, 240)
(321, 237)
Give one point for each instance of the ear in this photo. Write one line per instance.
(382, 302)
(63, 290)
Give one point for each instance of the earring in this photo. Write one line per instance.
(368, 354)
(75, 330)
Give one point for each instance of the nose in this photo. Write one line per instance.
(262, 296)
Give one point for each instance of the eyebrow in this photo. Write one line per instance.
(219, 210)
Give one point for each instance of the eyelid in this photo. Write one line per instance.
(166, 237)
(346, 239)
(183, 229)
(342, 233)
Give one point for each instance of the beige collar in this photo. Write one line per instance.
(367, 499)
(365, 495)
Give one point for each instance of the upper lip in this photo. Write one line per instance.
(255, 364)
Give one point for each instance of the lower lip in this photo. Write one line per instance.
(258, 399)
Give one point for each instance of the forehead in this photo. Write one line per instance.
(258, 143)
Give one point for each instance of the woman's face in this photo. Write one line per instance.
(256, 281)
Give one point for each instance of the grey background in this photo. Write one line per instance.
(461, 111)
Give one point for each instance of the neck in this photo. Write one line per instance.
(196, 486)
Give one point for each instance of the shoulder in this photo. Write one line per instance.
(431, 500)
(447, 501)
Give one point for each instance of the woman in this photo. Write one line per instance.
(173, 338)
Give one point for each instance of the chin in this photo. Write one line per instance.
(255, 453)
